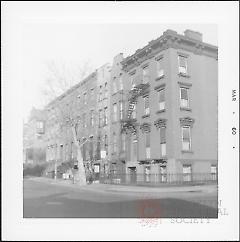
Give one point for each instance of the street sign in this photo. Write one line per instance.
(103, 154)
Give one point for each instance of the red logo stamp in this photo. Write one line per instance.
(149, 212)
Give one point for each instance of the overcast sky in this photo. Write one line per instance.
(75, 44)
(83, 32)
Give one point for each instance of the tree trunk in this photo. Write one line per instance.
(80, 175)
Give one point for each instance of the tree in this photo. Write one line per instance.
(59, 81)
(60, 77)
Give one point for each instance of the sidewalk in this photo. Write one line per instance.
(129, 188)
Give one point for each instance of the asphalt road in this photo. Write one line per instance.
(49, 200)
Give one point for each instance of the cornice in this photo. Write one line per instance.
(169, 39)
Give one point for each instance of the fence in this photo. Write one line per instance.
(157, 179)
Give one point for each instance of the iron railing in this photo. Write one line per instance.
(152, 179)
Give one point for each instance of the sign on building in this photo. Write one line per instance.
(103, 154)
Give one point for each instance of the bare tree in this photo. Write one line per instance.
(60, 77)
(60, 80)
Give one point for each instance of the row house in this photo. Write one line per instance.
(78, 103)
(154, 112)
(33, 141)
(171, 122)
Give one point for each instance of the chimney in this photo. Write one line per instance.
(193, 34)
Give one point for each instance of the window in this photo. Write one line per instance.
(92, 93)
(40, 128)
(91, 118)
(161, 99)
(85, 98)
(134, 112)
(182, 64)
(114, 143)
(147, 143)
(105, 116)
(114, 168)
(100, 118)
(186, 138)
(120, 83)
(147, 173)
(163, 140)
(121, 109)
(163, 173)
(160, 70)
(146, 105)
(184, 97)
(100, 93)
(214, 172)
(40, 125)
(145, 74)
(123, 142)
(114, 112)
(114, 85)
(135, 148)
(133, 81)
(187, 173)
(106, 90)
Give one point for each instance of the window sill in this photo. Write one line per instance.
(146, 116)
(161, 111)
(185, 109)
(184, 75)
(159, 78)
(187, 151)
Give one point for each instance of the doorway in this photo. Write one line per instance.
(133, 174)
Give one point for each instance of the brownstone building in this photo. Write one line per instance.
(171, 116)
(149, 117)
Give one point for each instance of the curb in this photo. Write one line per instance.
(132, 189)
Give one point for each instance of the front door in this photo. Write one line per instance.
(187, 173)
(133, 174)
(163, 173)
(96, 171)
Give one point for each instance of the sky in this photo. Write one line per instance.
(75, 44)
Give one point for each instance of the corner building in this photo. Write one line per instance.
(170, 120)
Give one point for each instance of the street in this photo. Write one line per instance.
(44, 199)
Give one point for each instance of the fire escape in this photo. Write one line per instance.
(129, 125)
